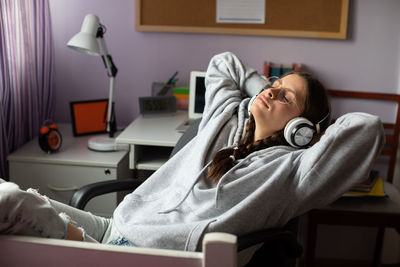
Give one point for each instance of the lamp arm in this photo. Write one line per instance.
(107, 59)
(112, 72)
(110, 111)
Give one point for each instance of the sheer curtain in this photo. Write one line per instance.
(26, 73)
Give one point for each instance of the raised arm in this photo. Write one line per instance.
(344, 156)
(228, 81)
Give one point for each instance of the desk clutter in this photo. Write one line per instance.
(181, 94)
(165, 97)
(157, 104)
(161, 99)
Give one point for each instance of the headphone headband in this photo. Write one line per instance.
(324, 123)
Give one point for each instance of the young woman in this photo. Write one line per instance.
(239, 174)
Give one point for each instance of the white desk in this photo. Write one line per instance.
(59, 174)
(151, 139)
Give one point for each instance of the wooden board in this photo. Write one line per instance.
(306, 18)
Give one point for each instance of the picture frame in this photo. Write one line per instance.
(89, 117)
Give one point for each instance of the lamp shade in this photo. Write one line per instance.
(85, 41)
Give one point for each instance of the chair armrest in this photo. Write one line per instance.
(289, 239)
(82, 196)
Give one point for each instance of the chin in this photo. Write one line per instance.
(257, 112)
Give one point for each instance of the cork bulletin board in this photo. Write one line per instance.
(293, 18)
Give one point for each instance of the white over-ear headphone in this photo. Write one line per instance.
(299, 132)
(251, 103)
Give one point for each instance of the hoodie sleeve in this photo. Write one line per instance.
(228, 81)
(343, 157)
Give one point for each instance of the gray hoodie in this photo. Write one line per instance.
(177, 205)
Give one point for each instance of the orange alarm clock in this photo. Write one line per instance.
(50, 138)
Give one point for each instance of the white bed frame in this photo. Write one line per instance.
(219, 250)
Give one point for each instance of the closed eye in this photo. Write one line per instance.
(285, 100)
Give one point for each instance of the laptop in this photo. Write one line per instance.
(197, 90)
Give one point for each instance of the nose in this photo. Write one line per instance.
(272, 93)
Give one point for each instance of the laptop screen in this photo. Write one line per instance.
(197, 90)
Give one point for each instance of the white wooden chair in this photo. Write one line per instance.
(219, 250)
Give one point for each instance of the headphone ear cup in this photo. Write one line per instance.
(299, 132)
(251, 103)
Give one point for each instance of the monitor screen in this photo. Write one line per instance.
(197, 92)
(199, 96)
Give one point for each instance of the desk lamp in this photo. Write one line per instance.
(86, 42)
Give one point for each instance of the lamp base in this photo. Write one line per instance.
(102, 144)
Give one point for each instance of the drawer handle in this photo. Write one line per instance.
(62, 189)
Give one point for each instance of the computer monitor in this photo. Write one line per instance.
(197, 90)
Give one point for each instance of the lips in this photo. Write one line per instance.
(263, 100)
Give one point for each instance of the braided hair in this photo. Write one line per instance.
(316, 107)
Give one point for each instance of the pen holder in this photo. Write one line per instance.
(161, 89)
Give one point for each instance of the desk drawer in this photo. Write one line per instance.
(59, 182)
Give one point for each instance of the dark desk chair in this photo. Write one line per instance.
(365, 212)
(279, 249)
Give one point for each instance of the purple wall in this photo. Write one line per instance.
(367, 60)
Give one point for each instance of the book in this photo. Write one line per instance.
(286, 68)
(367, 184)
(181, 94)
(266, 68)
(377, 190)
(297, 67)
(276, 69)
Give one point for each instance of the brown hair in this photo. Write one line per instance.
(315, 109)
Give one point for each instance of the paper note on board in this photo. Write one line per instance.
(241, 11)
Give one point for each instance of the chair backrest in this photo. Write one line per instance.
(186, 136)
(392, 129)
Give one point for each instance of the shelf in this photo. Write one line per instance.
(152, 157)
